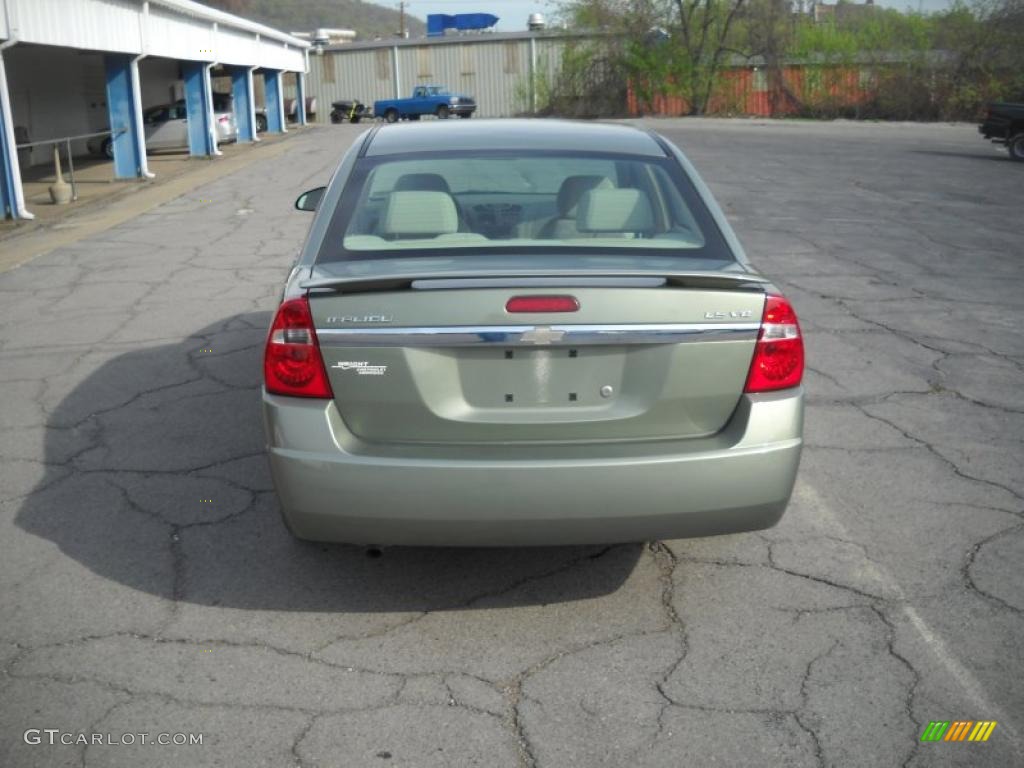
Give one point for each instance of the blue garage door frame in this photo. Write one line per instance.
(12, 202)
(300, 98)
(199, 107)
(275, 103)
(8, 159)
(129, 156)
(241, 92)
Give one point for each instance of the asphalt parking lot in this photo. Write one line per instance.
(148, 585)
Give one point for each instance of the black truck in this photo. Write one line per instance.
(1004, 124)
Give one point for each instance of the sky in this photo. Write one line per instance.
(513, 13)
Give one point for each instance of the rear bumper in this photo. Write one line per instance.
(226, 132)
(334, 488)
(995, 130)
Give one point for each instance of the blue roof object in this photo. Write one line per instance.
(437, 23)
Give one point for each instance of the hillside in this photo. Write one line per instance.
(368, 19)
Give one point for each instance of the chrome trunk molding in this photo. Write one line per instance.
(537, 335)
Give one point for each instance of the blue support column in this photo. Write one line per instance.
(241, 91)
(10, 176)
(300, 98)
(8, 162)
(275, 102)
(129, 147)
(12, 198)
(198, 107)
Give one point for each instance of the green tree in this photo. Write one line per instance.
(700, 41)
(907, 65)
(674, 46)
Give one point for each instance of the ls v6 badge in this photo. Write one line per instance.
(362, 368)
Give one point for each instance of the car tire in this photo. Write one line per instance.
(107, 148)
(391, 115)
(1016, 147)
(355, 119)
(261, 123)
(442, 112)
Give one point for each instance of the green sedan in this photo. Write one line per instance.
(527, 332)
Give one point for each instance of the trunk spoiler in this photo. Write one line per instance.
(533, 278)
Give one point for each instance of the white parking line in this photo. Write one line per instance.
(963, 676)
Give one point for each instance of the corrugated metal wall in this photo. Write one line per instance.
(125, 26)
(178, 37)
(110, 26)
(495, 71)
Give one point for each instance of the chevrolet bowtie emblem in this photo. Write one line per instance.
(541, 335)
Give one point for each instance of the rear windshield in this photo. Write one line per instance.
(512, 203)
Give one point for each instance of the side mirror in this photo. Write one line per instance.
(309, 200)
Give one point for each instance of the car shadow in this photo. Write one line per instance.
(1003, 157)
(156, 479)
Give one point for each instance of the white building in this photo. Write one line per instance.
(70, 68)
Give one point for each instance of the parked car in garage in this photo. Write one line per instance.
(425, 100)
(527, 332)
(1004, 124)
(166, 126)
(290, 112)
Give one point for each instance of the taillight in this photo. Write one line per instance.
(542, 304)
(223, 119)
(292, 364)
(779, 353)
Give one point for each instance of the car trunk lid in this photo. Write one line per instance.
(438, 361)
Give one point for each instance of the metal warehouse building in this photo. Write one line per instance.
(503, 71)
(74, 68)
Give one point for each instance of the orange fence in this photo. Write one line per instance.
(757, 91)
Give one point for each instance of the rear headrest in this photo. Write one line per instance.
(572, 190)
(422, 182)
(615, 210)
(426, 214)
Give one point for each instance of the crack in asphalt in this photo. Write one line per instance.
(944, 459)
(514, 722)
(94, 728)
(908, 702)
(477, 598)
(968, 578)
(667, 562)
(805, 697)
(300, 737)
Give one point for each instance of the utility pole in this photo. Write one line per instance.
(401, 19)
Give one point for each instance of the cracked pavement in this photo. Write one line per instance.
(149, 586)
